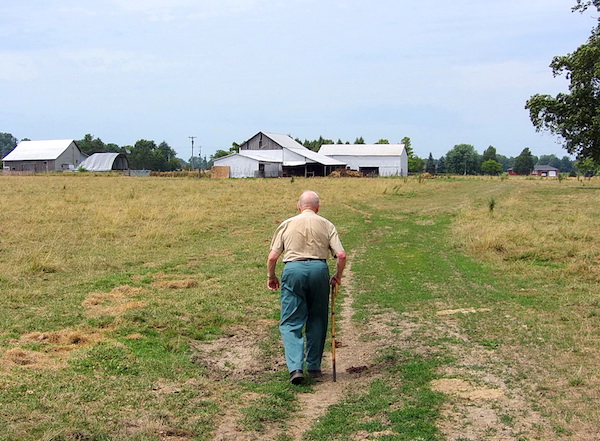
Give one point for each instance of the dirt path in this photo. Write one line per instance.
(238, 355)
(355, 368)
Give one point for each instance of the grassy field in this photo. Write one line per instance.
(114, 288)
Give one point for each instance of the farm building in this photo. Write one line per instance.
(545, 170)
(103, 162)
(539, 170)
(370, 159)
(270, 155)
(44, 156)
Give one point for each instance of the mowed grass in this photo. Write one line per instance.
(108, 282)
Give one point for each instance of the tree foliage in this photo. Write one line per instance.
(582, 5)
(7, 144)
(430, 166)
(90, 145)
(415, 164)
(462, 160)
(441, 165)
(316, 144)
(146, 155)
(489, 154)
(575, 116)
(491, 167)
(587, 167)
(524, 163)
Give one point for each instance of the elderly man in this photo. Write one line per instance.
(306, 240)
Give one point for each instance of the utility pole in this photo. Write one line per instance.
(192, 161)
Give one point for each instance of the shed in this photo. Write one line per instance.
(273, 155)
(44, 156)
(545, 170)
(370, 159)
(103, 162)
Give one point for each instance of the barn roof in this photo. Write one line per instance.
(100, 162)
(287, 142)
(38, 150)
(544, 168)
(362, 149)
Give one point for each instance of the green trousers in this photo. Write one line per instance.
(304, 302)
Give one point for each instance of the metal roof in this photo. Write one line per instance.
(100, 162)
(38, 150)
(362, 149)
(284, 141)
(544, 168)
(287, 142)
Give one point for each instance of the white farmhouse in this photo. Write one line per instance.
(44, 156)
(270, 155)
(370, 159)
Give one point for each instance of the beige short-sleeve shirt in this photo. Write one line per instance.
(306, 236)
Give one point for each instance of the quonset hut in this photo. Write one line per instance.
(104, 162)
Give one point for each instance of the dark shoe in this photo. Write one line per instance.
(296, 377)
(316, 373)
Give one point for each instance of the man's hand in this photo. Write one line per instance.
(273, 283)
(336, 279)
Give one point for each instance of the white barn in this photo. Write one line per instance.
(370, 159)
(271, 155)
(44, 156)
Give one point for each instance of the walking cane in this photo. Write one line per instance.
(334, 289)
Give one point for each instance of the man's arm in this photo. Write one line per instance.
(341, 264)
(273, 281)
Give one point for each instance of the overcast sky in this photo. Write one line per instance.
(440, 72)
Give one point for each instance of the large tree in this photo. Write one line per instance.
(462, 160)
(441, 165)
(524, 163)
(415, 164)
(491, 167)
(430, 166)
(574, 116)
(146, 155)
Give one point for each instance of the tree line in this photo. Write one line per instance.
(461, 159)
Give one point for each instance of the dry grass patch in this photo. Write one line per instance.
(176, 284)
(17, 357)
(114, 303)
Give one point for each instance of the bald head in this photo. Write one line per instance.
(309, 199)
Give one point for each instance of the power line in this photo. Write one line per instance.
(192, 161)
